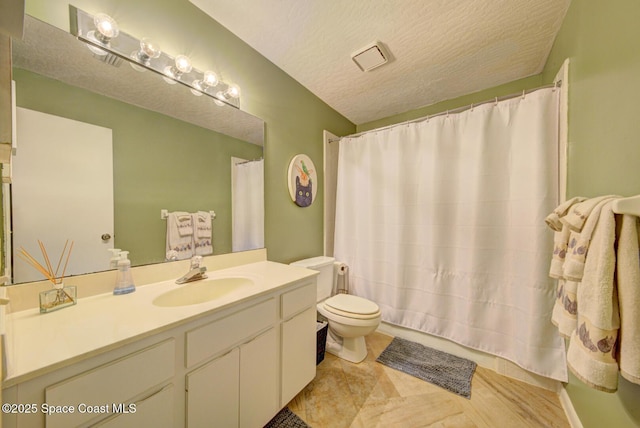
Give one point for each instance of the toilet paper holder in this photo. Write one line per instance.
(342, 278)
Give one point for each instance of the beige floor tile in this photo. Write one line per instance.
(369, 395)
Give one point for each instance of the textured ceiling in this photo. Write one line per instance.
(440, 49)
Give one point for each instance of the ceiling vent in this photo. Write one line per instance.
(371, 56)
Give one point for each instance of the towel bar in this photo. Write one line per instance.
(165, 213)
(629, 205)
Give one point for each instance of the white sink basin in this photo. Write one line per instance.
(200, 291)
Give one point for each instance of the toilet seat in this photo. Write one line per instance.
(350, 306)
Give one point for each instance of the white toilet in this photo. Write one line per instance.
(350, 317)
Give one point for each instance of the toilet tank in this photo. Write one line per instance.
(324, 265)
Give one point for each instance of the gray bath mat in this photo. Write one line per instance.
(286, 419)
(445, 370)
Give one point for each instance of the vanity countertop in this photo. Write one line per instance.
(37, 343)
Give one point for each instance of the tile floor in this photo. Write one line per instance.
(369, 395)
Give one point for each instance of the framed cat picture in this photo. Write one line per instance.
(303, 180)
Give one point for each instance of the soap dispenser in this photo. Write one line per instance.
(115, 257)
(124, 280)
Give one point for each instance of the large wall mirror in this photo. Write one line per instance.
(165, 148)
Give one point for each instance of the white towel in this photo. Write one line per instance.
(565, 307)
(185, 223)
(578, 214)
(579, 241)
(591, 354)
(553, 219)
(203, 237)
(565, 310)
(628, 281)
(178, 237)
(560, 246)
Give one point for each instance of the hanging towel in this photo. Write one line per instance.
(565, 307)
(591, 354)
(560, 246)
(180, 234)
(553, 219)
(565, 310)
(579, 213)
(628, 282)
(185, 224)
(579, 241)
(203, 235)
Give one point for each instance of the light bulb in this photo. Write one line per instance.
(148, 51)
(107, 28)
(183, 64)
(219, 98)
(170, 75)
(209, 79)
(233, 91)
(173, 72)
(198, 88)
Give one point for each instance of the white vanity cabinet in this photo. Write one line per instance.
(232, 367)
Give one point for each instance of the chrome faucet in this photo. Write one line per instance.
(196, 272)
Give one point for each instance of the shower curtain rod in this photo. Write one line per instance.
(248, 161)
(554, 85)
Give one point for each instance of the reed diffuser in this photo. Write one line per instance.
(60, 296)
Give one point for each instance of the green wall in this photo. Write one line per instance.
(602, 41)
(159, 163)
(510, 88)
(294, 117)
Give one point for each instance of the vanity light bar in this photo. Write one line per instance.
(112, 45)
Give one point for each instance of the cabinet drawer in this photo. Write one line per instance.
(154, 411)
(113, 383)
(208, 340)
(298, 299)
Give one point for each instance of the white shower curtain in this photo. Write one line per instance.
(248, 205)
(442, 224)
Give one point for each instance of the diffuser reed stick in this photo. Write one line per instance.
(48, 271)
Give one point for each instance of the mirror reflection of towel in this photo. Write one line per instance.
(203, 233)
(185, 223)
(180, 234)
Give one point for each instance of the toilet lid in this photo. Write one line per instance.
(351, 304)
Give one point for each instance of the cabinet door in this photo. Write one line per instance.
(212, 393)
(298, 353)
(259, 380)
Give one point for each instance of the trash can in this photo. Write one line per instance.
(321, 340)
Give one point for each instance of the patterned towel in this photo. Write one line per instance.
(578, 214)
(203, 240)
(591, 354)
(579, 242)
(565, 307)
(179, 235)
